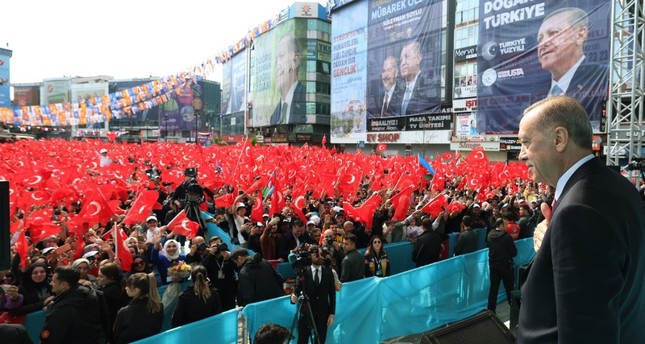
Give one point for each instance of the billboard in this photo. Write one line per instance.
(26, 95)
(55, 91)
(530, 50)
(386, 71)
(140, 117)
(278, 70)
(184, 110)
(5, 58)
(233, 77)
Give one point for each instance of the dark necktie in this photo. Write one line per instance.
(316, 277)
(386, 104)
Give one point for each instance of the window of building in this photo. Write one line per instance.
(466, 11)
(466, 36)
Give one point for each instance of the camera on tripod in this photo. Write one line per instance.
(637, 164)
(302, 260)
(194, 191)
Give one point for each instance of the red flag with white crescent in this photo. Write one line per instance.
(182, 225)
(121, 249)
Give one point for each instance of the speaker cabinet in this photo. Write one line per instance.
(481, 328)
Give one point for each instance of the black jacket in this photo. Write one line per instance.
(134, 322)
(427, 248)
(115, 298)
(501, 248)
(74, 317)
(258, 281)
(191, 308)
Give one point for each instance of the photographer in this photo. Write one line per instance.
(270, 238)
(198, 250)
(334, 249)
(221, 271)
(258, 280)
(319, 296)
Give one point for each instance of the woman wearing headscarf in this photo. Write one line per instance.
(35, 289)
(166, 257)
(83, 266)
(198, 301)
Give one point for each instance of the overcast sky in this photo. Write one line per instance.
(124, 38)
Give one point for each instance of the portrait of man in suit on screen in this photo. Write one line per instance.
(291, 107)
(386, 101)
(561, 41)
(419, 92)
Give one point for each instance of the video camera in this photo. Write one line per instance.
(194, 191)
(637, 164)
(300, 260)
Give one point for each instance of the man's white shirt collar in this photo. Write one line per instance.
(565, 80)
(567, 175)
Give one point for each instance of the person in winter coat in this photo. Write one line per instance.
(501, 250)
(143, 317)
(73, 315)
(198, 301)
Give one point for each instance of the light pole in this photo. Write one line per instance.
(165, 121)
(196, 123)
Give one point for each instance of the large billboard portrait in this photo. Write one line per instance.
(349, 74)
(532, 50)
(386, 71)
(279, 74)
(234, 75)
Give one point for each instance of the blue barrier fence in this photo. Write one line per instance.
(414, 301)
(410, 301)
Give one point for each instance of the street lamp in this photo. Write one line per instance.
(165, 121)
(197, 113)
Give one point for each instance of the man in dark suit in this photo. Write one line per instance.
(419, 93)
(319, 287)
(587, 282)
(386, 102)
(428, 245)
(291, 107)
(561, 40)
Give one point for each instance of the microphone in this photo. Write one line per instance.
(292, 258)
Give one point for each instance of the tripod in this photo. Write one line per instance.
(313, 335)
(194, 213)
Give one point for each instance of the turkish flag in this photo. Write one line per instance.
(41, 231)
(121, 249)
(257, 211)
(298, 205)
(435, 206)
(381, 147)
(95, 208)
(401, 203)
(224, 201)
(141, 207)
(22, 248)
(182, 225)
(323, 143)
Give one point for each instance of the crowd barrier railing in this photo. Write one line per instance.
(411, 300)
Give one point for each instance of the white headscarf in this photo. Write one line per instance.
(165, 254)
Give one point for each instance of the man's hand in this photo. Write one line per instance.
(294, 298)
(541, 227)
(330, 320)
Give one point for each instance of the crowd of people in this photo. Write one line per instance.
(66, 255)
(223, 278)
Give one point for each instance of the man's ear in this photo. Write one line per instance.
(561, 137)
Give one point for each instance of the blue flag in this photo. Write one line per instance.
(426, 164)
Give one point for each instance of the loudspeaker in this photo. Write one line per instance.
(481, 328)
